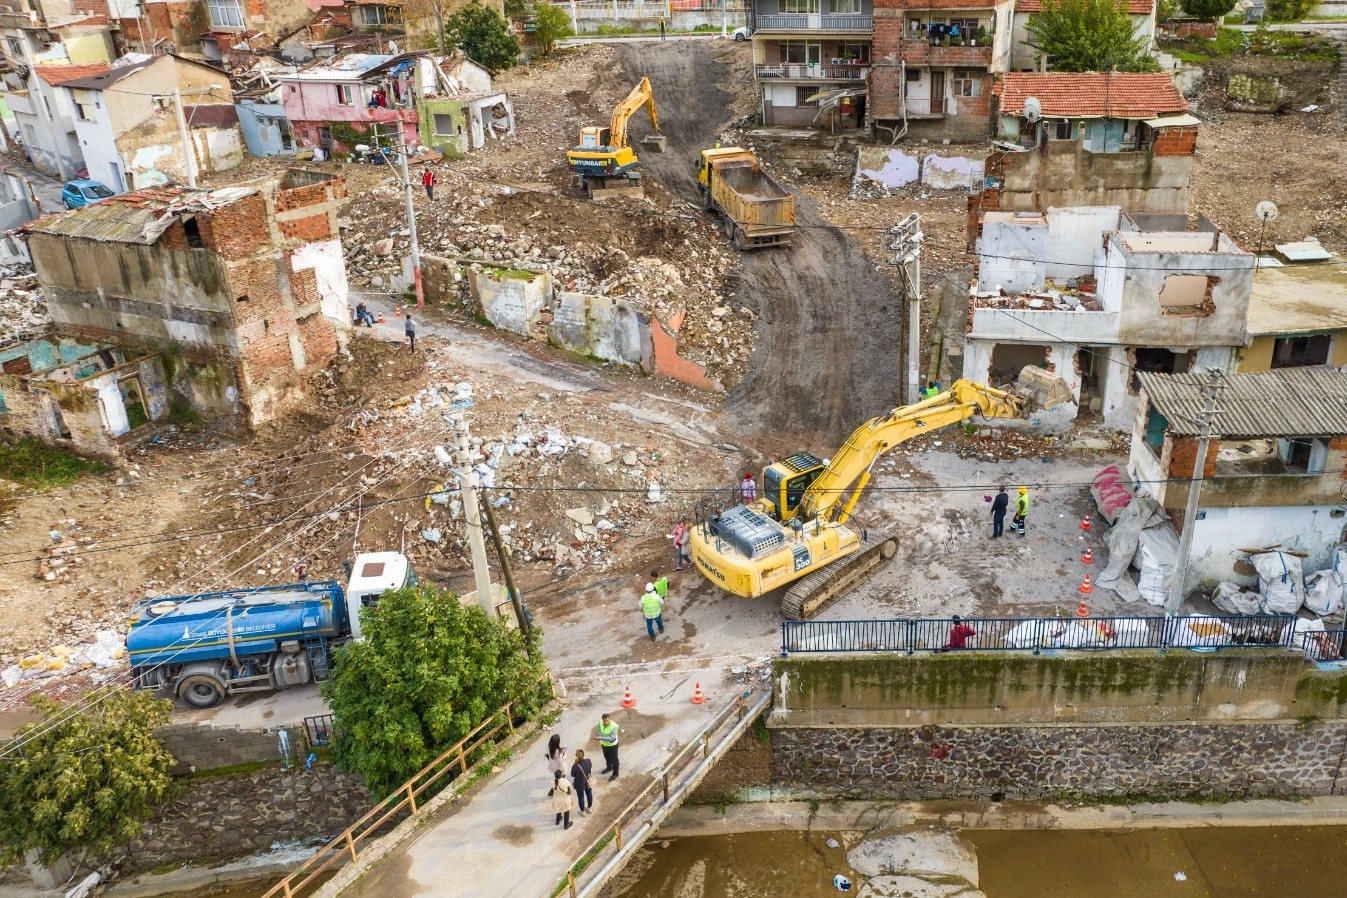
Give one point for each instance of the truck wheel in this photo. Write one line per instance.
(201, 691)
(739, 238)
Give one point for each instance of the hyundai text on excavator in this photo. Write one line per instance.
(797, 532)
(604, 163)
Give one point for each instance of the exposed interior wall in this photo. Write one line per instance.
(1220, 533)
(1069, 175)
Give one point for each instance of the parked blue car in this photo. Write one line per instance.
(82, 192)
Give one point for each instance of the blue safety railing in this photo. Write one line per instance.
(1327, 645)
(999, 634)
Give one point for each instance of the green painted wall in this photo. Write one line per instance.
(454, 147)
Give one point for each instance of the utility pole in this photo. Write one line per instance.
(472, 513)
(907, 238)
(520, 618)
(1205, 418)
(188, 153)
(724, 11)
(403, 152)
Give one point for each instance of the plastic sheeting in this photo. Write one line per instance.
(1233, 600)
(1323, 592)
(1112, 492)
(1142, 535)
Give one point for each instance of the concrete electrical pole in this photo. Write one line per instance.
(188, 152)
(1205, 418)
(907, 238)
(472, 513)
(403, 152)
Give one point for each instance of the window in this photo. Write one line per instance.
(914, 74)
(375, 15)
(845, 7)
(84, 112)
(801, 53)
(1188, 295)
(444, 125)
(47, 107)
(967, 83)
(192, 230)
(1296, 352)
(856, 51)
(802, 95)
(225, 13)
(1303, 456)
(799, 6)
(1062, 129)
(345, 95)
(1155, 429)
(15, 47)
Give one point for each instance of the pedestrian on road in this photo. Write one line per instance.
(556, 754)
(999, 506)
(608, 732)
(653, 608)
(563, 799)
(1021, 511)
(680, 542)
(661, 584)
(661, 28)
(580, 772)
(959, 635)
(748, 489)
(428, 181)
(410, 330)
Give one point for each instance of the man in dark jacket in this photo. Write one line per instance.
(999, 506)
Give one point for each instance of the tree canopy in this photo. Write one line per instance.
(84, 780)
(483, 35)
(553, 23)
(1207, 9)
(1088, 36)
(427, 672)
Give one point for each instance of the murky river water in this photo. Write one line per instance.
(1291, 862)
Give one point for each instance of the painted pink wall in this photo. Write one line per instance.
(311, 104)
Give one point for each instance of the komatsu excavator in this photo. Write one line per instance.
(797, 532)
(604, 163)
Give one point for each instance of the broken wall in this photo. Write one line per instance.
(1063, 173)
(601, 327)
(893, 168)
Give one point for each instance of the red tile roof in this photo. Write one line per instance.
(55, 74)
(1134, 7)
(1092, 94)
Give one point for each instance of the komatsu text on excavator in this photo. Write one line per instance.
(604, 162)
(797, 532)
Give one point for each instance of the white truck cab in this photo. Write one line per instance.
(373, 574)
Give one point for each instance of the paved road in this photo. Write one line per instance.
(47, 190)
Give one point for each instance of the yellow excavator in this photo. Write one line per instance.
(797, 532)
(604, 163)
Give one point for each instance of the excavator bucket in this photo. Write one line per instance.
(1041, 388)
(655, 142)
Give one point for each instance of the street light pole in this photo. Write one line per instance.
(403, 152)
(1205, 418)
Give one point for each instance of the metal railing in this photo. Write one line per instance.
(637, 816)
(1325, 645)
(793, 70)
(319, 729)
(1055, 633)
(814, 22)
(344, 847)
(926, 105)
(607, 10)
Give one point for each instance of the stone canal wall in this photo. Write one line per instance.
(1064, 761)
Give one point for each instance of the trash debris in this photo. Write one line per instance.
(842, 883)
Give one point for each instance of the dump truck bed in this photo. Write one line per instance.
(761, 208)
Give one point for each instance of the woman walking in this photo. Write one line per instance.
(563, 799)
(580, 771)
(556, 755)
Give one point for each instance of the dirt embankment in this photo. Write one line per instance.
(828, 354)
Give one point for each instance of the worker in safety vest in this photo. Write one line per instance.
(653, 608)
(1021, 511)
(932, 390)
(607, 732)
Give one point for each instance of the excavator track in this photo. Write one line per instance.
(816, 591)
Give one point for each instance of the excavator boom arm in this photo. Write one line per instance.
(849, 470)
(641, 95)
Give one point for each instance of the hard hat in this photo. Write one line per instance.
(650, 587)
(1024, 490)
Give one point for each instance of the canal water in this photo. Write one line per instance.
(1282, 862)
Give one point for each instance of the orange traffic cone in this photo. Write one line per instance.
(628, 700)
(1082, 611)
(1085, 523)
(1088, 556)
(1085, 587)
(698, 697)
(397, 311)
(382, 319)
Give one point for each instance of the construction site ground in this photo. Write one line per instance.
(808, 349)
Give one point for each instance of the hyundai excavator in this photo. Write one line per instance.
(604, 163)
(797, 533)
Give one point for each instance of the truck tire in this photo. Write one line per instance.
(201, 690)
(739, 238)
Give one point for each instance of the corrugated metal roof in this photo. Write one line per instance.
(1288, 402)
(139, 218)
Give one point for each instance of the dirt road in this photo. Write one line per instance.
(828, 354)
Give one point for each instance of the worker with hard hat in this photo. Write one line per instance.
(653, 608)
(1021, 511)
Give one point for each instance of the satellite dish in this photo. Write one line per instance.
(1266, 211)
(1033, 110)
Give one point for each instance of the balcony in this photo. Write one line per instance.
(927, 107)
(815, 22)
(796, 72)
(923, 52)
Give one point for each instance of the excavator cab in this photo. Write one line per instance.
(594, 137)
(784, 483)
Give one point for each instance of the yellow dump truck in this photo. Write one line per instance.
(757, 211)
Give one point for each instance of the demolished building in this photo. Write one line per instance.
(213, 299)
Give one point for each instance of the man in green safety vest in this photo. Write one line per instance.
(1021, 511)
(608, 731)
(932, 390)
(653, 608)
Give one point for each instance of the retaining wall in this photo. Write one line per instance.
(203, 747)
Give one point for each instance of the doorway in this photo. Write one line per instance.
(937, 92)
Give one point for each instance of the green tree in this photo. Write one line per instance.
(483, 35)
(1088, 36)
(1288, 10)
(86, 780)
(427, 672)
(517, 10)
(1207, 9)
(554, 23)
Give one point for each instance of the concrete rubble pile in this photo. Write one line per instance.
(23, 313)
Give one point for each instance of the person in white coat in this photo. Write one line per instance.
(563, 799)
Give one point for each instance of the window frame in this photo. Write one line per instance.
(968, 86)
(345, 94)
(220, 12)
